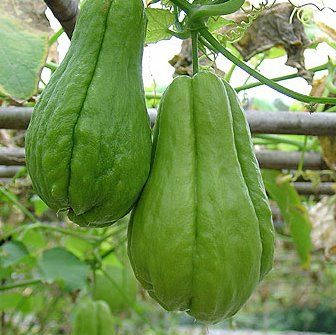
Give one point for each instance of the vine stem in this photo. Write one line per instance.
(150, 95)
(331, 110)
(205, 11)
(51, 66)
(255, 68)
(89, 238)
(183, 4)
(176, 17)
(20, 284)
(229, 73)
(300, 165)
(54, 37)
(194, 43)
(286, 77)
(40, 225)
(295, 95)
(275, 139)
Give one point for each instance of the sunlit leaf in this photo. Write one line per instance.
(275, 52)
(22, 56)
(77, 246)
(39, 205)
(159, 20)
(215, 23)
(34, 239)
(293, 211)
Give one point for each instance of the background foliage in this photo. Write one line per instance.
(49, 267)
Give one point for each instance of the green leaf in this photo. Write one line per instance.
(159, 20)
(215, 23)
(59, 265)
(34, 239)
(22, 56)
(293, 211)
(5, 272)
(13, 252)
(203, 2)
(10, 300)
(112, 260)
(275, 52)
(262, 105)
(32, 303)
(39, 206)
(78, 247)
(18, 302)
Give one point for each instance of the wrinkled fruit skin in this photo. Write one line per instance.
(93, 318)
(88, 145)
(201, 236)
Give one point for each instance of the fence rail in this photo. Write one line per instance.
(12, 159)
(297, 123)
(268, 159)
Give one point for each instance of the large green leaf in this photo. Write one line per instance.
(22, 56)
(59, 265)
(159, 20)
(293, 211)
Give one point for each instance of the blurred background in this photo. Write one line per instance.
(49, 267)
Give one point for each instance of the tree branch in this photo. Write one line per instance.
(66, 12)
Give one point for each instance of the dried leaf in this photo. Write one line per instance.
(31, 13)
(322, 216)
(273, 29)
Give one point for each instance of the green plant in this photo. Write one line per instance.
(88, 144)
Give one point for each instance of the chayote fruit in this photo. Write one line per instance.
(93, 318)
(201, 236)
(88, 145)
(118, 288)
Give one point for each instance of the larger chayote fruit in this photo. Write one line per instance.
(88, 144)
(201, 237)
